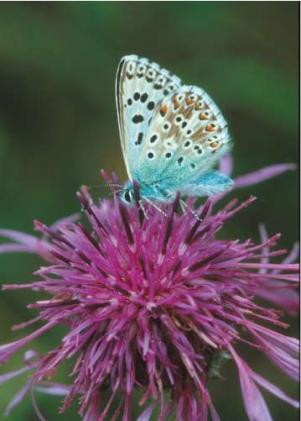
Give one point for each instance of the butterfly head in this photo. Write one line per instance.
(146, 192)
(126, 195)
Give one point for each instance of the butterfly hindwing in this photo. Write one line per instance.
(140, 86)
(208, 184)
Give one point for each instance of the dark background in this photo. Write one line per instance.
(58, 126)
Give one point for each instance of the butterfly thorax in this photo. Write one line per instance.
(146, 192)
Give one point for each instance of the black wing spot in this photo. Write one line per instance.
(192, 166)
(139, 139)
(187, 144)
(158, 86)
(138, 118)
(150, 74)
(136, 96)
(168, 155)
(140, 71)
(130, 102)
(143, 97)
(153, 138)
(151, 105)
(150, 155)
(180, 160)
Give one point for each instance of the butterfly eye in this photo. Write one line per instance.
(127, 196)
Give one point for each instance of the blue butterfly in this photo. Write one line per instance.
(171, 134)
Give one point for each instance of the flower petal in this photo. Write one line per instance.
(273, 389)
(263, 174)
(19, 396)
(255, 404)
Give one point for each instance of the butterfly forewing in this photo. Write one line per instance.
(140, 86)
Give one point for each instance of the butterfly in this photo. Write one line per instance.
(171, 134)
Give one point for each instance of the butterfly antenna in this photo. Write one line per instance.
(113, 182)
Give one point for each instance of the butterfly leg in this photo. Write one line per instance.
(151, 203)
(185, 207)
(142, 207)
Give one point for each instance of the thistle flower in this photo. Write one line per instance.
(153, 301)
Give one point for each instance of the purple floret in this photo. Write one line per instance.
(149, 299)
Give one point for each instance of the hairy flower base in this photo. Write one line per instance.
(151, 299)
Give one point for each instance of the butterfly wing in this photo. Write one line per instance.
(208, 184)
(186, 137)
(140, 86)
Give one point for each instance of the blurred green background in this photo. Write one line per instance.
(58, 126)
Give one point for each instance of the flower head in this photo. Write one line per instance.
(151, 300)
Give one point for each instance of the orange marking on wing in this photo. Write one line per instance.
(188, 100)
(203, 116)
(163, 110)
(215, 145)
(176, 103)
(211, 127)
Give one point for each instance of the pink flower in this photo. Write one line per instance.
(151, 300)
